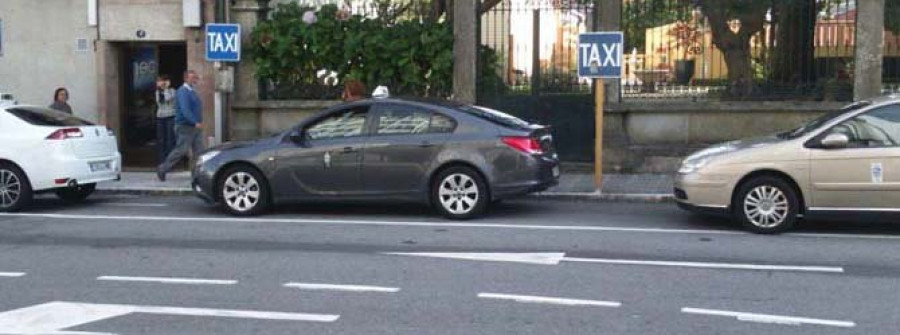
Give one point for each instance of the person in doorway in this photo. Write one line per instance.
(165, 118)
(188, 124)
(61, 100)
(354, 90)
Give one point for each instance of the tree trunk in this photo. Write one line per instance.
(735, 45)
(793, 54)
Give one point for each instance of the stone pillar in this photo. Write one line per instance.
(246, 13)
(465, 44)
(869, 49)
(609, 18)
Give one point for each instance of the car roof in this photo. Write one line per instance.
(452, 104)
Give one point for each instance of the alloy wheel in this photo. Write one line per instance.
(241, 191)
(766, 206)
(10, 188)
(458, 194)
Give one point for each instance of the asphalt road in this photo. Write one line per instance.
(172, 265)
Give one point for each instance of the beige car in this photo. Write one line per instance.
(847, 161)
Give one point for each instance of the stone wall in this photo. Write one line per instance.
(653, 137)
(263, 118)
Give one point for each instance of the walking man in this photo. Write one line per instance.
(188, 124)
(165, 118)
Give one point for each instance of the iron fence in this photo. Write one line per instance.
(779, 50)
(536, 42)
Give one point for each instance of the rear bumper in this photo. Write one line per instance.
(77, 170)
(542, 174)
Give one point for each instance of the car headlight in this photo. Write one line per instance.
(207, 156)
(691, 166)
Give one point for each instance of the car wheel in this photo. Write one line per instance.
(459, 193)
(15, 190)
(243, 191)
(77, 193)
(767, 205)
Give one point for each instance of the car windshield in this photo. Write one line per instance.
(818, 122)
(495, 116)
(40, 116)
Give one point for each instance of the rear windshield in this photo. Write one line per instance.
(495, 116)
(40, 116)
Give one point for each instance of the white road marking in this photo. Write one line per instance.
(768, 318)
(131, 204)
(546, 258)
(169, 280)
(735, 266)
(337, 287)
(12, 274)
(53, 317)
(443, 224)
(548, 300)
(554, 258)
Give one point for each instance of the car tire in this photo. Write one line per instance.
(766, 205)
(459, 193)
(75, 194)
(15, 189)
(243, 191)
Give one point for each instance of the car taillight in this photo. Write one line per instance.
(65, 133)
(527, 145)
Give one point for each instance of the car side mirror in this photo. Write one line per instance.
(835, 141)
(296, 136)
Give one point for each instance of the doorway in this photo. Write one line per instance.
(142, 63)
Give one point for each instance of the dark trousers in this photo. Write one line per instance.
(188, 138)
(165, 137)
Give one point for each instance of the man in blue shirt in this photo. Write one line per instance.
(188, 124)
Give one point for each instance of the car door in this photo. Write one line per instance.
(865, 174)
(326, 160)
(404, 144)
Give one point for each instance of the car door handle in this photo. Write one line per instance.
(426, 144)
(348, 150)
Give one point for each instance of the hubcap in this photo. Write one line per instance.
(10, 188)
(766, 206)
(458, 193)
(241, 191)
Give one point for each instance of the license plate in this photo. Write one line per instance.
(555, 171)
(100, 166)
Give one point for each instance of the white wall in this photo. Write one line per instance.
(39, 53)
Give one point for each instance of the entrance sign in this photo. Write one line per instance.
(600, 54)
(223, 42)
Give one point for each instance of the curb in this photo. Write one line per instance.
(563, 196)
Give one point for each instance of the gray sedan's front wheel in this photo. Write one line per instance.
(766, 205)
(459, 193)
(243, 191)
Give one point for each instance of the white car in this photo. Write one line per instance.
(43, 150)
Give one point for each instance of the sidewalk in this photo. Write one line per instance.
(572, 185)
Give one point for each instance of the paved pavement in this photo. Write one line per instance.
(576, 184)
(172, 265)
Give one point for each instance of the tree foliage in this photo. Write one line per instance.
(410, 56)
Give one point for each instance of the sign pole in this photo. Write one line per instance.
(599, 99)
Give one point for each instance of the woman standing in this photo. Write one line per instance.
(61, 100)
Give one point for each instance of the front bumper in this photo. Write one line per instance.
(703, 193)
(202, 182)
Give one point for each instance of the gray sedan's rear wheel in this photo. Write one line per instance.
(767, 205)
(459, 193)
(15, 190)
(243, 191)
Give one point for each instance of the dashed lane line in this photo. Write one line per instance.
(12, 274)
(769, 318)
(340, 287)
(532, 299)
(169, 280)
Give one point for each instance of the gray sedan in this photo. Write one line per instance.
(458, 158)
